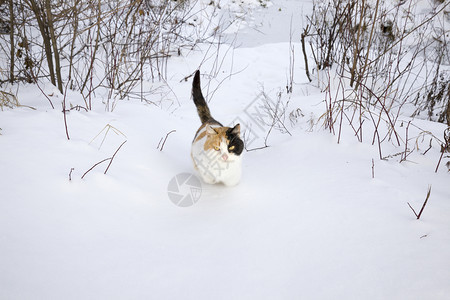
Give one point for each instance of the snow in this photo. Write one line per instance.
(307, 221)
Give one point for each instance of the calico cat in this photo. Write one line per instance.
(216, 149)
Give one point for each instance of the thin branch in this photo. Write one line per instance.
(423, 206)
(444, 147)
(39, 87)
(412, 209)
(425, 203)
(305, 57)
(439, 162)
(373, 168)
(70, 173)
(258, 148)
(431, 140)
(406, 144)
(102, 161)
(409, 32)
(95, 166)
(164, 142)
(112, 157)
(65, 112)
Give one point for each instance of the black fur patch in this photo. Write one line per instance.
(235, 141)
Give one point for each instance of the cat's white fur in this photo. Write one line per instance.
(212, 166)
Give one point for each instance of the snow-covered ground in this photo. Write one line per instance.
(311, 218)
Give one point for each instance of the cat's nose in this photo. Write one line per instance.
(225, 157)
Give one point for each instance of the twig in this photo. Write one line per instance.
(439, 162)
(412, 209)
(406, 144)
(164, 142)
(444, 147)
(423, 206)
(160, 140)
(258, 148)
(253, 149)
(102, 161)
(42, 91)
(112, 157)
(79, 108)
(95, 166)
(64, 112)
(305, 33)
(70, 173)
(368, 46)
(107, 127)
(428, 148)
(290, 83)
(425, 203)
(373, 168)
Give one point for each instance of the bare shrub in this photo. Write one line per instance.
(8, 100)
(370, 58)
(103, 49)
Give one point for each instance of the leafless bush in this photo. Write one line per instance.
(435, 98)
(8, 100)
(370, 60)
(266, 115)
(106, 49)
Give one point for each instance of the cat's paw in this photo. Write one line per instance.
(209, 179)
(231, 181)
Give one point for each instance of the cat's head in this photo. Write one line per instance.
(226, 141)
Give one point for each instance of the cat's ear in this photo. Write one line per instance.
(236, 130)
(210, 130)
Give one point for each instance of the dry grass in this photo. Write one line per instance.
(8, 100)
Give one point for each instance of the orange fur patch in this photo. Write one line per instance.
(212, 140)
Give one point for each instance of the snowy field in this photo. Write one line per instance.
(311, 218)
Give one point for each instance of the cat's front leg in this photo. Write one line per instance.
(208, 178)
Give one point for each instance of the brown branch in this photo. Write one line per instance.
(431, 140)
(305, 33)
(425, 203)
(70, 173)
(112, 157)
(357, 43)
(95, 166)
(373, 168)
(444, 147)
(11, 39)
(423, 206)
(41, 19)
(258, 148)
(109, 158)
(368, 46)
(52, 37)
(439, 162)
(65, 112)
(164, 142)
(412, 209)
(403, 158)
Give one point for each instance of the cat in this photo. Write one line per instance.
(216, 149)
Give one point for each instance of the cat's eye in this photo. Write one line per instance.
(231, 148)
(216, 148)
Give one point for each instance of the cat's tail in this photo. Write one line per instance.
(200, 103)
